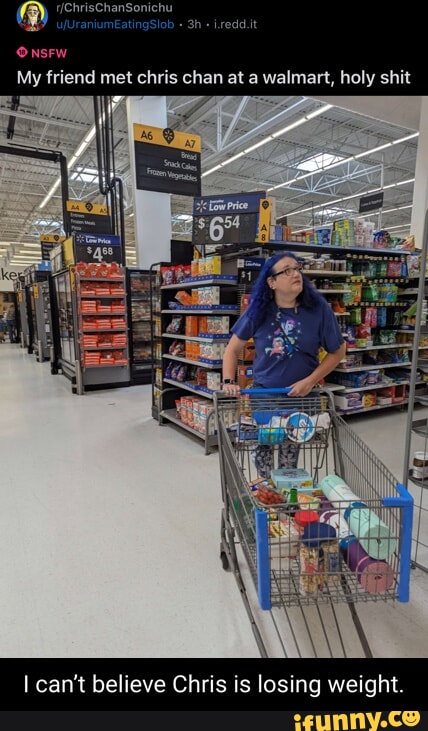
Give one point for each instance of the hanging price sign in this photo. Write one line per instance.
(233, 219)
(91, 248)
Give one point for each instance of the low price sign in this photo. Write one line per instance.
(97, 248)
(232, 219)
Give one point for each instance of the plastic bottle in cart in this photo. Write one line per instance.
(292, 503)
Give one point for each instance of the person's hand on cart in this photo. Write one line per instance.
(230, 387)
(302, 388)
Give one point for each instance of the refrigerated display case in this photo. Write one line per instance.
(65, 355)
(43, 324)
(140, 340)
(34, 277)
(21, 311)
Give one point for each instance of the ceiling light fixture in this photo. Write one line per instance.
(342, 162)
(346, 198)
(305, 118)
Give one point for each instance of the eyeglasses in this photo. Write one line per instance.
(288, 271)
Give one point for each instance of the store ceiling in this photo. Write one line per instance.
(227, 126)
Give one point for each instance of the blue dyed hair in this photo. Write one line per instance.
(262, 295)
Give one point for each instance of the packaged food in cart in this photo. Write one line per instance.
(298, 558)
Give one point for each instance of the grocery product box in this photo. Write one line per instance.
(369, 399)
(286, 233)
(208, 295)
(245, 376)
(217, 324)
(249, 350)
(287, 477)
(283, 543)
(192, 350)
(348, 401)
(392, 394)
(213, 264)
(191, 325)
(213, 380)
(211, 351)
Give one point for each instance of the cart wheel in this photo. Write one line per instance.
(224, 560)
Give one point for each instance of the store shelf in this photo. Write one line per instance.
(209, 440)
(192, 336)
(197, 338)
(370, 367)
(189, 361)
(102, 353)
(188, 387)
(365, 410)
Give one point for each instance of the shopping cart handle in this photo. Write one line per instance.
(285, 389)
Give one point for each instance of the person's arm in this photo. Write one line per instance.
(328, 364)
(230, 363)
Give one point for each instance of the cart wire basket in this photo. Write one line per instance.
(318, 518)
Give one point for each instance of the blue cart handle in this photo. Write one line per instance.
(265, 391)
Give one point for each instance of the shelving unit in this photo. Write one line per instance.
(102, 327)
(335, 277)
(33, 310)
(91, 306)
(188, 351)
(44, 324)
(336, 272)
(357, 388)
(140, 347)
(415, 471)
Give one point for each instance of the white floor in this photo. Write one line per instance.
(110, 532)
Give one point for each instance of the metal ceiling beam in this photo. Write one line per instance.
(55, 156)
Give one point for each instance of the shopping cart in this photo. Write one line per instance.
(312, 523)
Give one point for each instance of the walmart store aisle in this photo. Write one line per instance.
(110, 534)
(109, 527)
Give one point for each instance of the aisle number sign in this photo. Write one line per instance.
(167, 161)
(48, 242)
(232, 219)
(87, 217)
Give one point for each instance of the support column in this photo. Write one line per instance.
(420, 190)
(152, 210)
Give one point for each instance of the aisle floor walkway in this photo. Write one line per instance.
(110, 531)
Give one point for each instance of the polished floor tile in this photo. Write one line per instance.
(110, 533)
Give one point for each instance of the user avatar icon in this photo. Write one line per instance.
(32, 16)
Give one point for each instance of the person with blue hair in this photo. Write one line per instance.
(289, 322)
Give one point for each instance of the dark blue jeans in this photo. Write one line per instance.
(264, 454)
(11, 330)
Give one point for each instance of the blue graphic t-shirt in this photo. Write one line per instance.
(287, 342)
